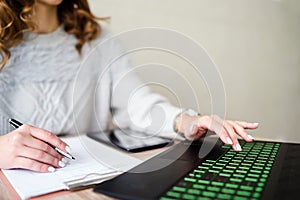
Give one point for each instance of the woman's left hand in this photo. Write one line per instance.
(193, 127)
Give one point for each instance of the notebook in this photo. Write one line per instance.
(88, 168)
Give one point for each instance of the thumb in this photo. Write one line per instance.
(191, 131)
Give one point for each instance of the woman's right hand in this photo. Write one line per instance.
(27, 148)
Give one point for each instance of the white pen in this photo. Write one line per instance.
(17, 124)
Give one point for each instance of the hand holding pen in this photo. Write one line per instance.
(32, 148)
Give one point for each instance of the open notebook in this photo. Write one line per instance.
(88, 168)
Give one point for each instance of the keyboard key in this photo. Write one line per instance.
(221, 164)
(220, 184)
(261, 161)
(261, 184)
(245, 187)
(239, 157)
(210, 161)
(204, 182)
(256, 195)
(188, 196)
(240, 198)
(237, 180)
(258, 189)
(203, 167)
(254, 175)
(184, 184)
(179, 189)
(198, 175)
(255, 171)
(190, 179)
(224, 196)
(193, 191)
(234, 164)
(228, 191)
(243, 193)
(257, 167)
(220, 179)
(207, 164)
(229, 185)
(228, 171)
(217, 168)
(199, 171)
(165, 198)
(231, 167)
(225, 175)
(262, 180)
(208, 176)
(226, 146)
(213, 189)
(244, 168)
(173, 194)
(209, 194)
(203, 198)
(238, 175)
(248, 183)
(264, 176)
(246, 164)
(213, 171)
(197, 186)
(251, 179)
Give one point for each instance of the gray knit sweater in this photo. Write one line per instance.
(47, 84)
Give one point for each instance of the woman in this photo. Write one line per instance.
(42, 45)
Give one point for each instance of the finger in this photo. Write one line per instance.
(247, 125)
(215, 124)
(41, 156)
(221, 132)
(27, 163)
(236, 145)
(40, 145)
(241, 131)
(47, 136)
(191, 132)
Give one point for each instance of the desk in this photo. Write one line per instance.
(8, 193)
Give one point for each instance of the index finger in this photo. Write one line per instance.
(48, 137)
(247, 125)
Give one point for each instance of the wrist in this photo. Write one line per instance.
(181, 118)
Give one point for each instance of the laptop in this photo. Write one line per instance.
(208, 169)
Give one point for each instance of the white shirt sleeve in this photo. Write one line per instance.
(133, 104)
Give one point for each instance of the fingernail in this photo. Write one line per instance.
(256, 123)
(193, 129)
(64, 160)
(238, 147)
(61, 164)
(250, 137)
(229, 140)
(51, 169)
(68, 149)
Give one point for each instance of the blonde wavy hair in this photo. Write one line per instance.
(15, 19)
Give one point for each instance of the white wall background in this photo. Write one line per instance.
(255, 44)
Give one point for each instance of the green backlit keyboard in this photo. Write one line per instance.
(234, 175)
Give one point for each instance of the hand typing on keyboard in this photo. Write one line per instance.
(193, 127)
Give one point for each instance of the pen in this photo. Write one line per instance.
(17, 124)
